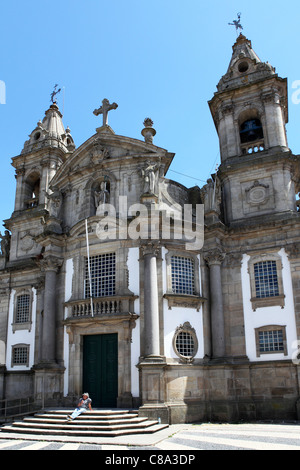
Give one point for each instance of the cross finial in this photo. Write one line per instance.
(104, 109)
(237, 23)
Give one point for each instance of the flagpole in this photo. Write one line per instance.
(215, 184)
(89, 267)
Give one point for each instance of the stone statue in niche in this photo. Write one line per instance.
(102, 196)
(149, 173)
(211, 195)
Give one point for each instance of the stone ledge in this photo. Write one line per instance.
(187, 301)
(268, 302)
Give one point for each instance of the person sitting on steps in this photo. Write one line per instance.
(84, 405)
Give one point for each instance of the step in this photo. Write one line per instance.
(96, 423)
(150, 429)
(84, 422)
(104, 412)
(81, 426)
(85, 416)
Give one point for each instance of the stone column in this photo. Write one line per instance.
(152, 366)
(214, 259)
(151, 310)
(48, 380)
(226, 131)
(274, 119)
(51, 266)
(20, 172)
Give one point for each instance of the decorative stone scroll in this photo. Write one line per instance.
(184, 301)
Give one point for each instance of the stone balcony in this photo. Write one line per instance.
(102, 306)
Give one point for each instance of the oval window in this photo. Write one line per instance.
(185, 342)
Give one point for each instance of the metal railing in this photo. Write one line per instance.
(10, 409)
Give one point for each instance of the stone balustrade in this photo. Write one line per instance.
(253, 147)
(113, 305)
(31, 203)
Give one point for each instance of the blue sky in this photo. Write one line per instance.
(160, 59)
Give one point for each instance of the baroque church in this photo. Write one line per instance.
(103, 290)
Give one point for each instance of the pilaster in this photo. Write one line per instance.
(214, 259)
(152, 366)
(150, 251)
(50, 265)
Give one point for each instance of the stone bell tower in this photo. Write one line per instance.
(47, 148)
(250, 111)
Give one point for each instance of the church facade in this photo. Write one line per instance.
(181, 302)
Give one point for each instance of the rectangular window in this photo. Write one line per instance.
(20, 355)
(271, 341)
(23, 305)
(266, 279)
(103, 275)
(183, 281)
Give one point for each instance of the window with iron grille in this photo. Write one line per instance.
(271, 341)
(20, 355)
(266, 279)
(183, 281)
(185, 344)
(23, 305)
(103, 275)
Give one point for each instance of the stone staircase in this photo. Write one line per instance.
(102, 423)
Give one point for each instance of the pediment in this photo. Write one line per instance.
(106, 150)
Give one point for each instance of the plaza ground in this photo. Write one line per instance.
(177, 438)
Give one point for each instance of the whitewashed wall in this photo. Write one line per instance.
(134, 286)
(21, 336)
(179, 315)
(269, 315)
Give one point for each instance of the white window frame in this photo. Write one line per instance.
(22, 325)
(267, 301)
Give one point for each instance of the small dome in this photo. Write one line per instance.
(50, 133)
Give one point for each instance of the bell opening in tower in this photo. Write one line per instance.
(252, 136)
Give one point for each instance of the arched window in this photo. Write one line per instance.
(251, 131)
(32, 190)
(252, 136)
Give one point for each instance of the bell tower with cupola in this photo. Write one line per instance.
(48, 146)
(250, 111)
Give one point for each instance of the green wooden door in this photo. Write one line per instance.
(100, 369)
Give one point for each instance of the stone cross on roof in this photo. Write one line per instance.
(104, 109)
